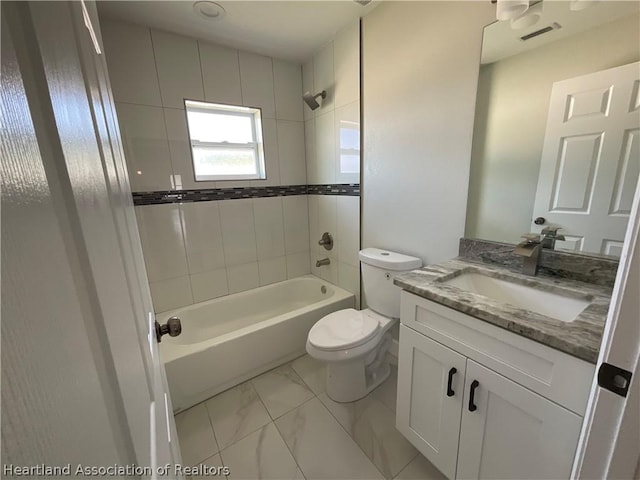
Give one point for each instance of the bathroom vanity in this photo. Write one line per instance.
(495, 368)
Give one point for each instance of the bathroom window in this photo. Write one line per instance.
(226, 141)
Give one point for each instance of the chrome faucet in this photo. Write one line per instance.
(530, 250)
(324, 261)
(550, 235)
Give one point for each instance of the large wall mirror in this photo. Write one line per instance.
(556, 133)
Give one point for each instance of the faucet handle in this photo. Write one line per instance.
(551, 231)
(531, 237)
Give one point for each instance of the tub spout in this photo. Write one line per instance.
(324, 261)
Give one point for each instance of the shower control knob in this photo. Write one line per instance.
(173, 327)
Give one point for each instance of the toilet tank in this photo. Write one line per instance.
(379, 267)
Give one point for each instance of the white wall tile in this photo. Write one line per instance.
(327, 222)
(271, 160)
(208, 285)
(256, 77)
(313, 169)
(128, 49)
(171, 293)
(269, 227)
(298, 264)
(291, 154)
(238, 232)
(326, 272)
(349, 279)
(323, 78)
(296, 223)
(160, 229)
(243, 277)
(346, 51)
(307, 86)
(203, 236)
(325, 148)
(176, 122)
(287, 79)
(348, 230)
(178, 65)
(183, 178)
(272, 270)
(220, 73)
(314, 223)
(323, 218)
(347, 140)
(144, 139)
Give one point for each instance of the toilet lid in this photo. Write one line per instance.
(343, 329)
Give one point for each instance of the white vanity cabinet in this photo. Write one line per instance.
(481, 402)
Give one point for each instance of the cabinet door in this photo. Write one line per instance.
(429, 405)
(513, 433)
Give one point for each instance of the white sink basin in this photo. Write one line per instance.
(550, 304)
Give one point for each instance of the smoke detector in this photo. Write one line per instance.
(209, 10)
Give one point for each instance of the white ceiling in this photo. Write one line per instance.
(289, 30)
(501, 41)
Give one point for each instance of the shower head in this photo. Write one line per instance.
(311, 99)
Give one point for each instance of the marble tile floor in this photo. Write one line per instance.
(282, 425)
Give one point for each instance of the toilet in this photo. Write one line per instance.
(354, 343)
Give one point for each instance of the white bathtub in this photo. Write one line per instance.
(228, 340)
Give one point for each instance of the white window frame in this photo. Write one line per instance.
(254, 114)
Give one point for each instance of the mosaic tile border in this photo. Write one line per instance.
(215, 194)
(350, 189)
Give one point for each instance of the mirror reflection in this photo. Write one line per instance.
(556, 136)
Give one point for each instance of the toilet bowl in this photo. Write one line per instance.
(354, 343)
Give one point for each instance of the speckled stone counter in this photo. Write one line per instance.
(580, 338)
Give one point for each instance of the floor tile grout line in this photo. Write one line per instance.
(285, 442)
(273, 420)
(301, 377)
(213, 430)
(408, 463)
(289, 364)
(351, 436)
(253, 431)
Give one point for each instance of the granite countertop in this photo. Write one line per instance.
(580, 338)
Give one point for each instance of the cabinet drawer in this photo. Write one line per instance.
(555, 375)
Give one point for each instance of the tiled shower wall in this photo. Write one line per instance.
(202, 250)
(329, 139)
(197, 251)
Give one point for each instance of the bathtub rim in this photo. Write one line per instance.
(172, 351)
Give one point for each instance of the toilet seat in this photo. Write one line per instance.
(343, 330)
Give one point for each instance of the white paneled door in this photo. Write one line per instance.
(591, 159)
(77, 267)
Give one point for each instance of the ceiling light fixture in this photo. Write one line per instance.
(577, 5)
(209, 10)
(508, 9)
(528, 18)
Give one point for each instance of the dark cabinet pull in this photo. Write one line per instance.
(472, 392)
(452, 372)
